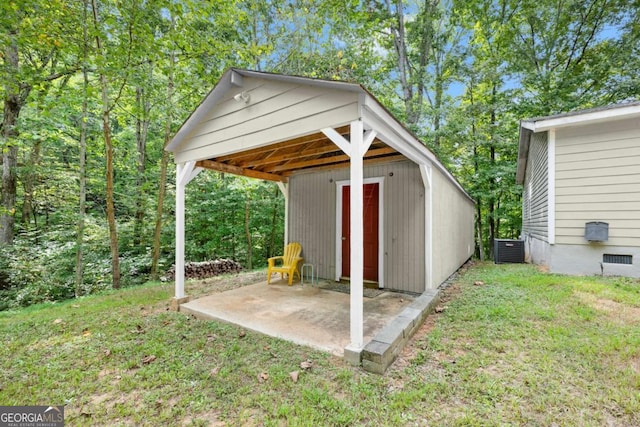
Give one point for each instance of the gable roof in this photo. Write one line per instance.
(574, 118)
(269, 126)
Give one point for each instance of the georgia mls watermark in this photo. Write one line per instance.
(31, 416)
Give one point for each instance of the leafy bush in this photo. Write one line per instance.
(40, 267)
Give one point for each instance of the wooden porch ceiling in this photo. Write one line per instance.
(277, 162)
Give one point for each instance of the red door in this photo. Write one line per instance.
(370, 208)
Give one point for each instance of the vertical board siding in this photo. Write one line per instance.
(312, 221)
(535, 193)
(453, 228)
(598, 179)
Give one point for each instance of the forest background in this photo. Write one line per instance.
(93, 89)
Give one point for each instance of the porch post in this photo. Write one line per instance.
(357, 237)
(427, 180)
(185, 172)
(180, 196)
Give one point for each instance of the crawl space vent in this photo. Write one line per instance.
(617, 259)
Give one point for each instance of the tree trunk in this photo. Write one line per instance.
(479, 229)
(274, 221)
(492, 180)
(437, 106)
(476, 170)
(111, 213)
(404, 69)
(247, 231)
(28, 183)
(82, 158)
(162, 185)
(142, 127)
(9, 164)
(12, 107)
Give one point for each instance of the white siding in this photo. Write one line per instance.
(274, 110)
(598, 179)
(453, 225)
(535, 193)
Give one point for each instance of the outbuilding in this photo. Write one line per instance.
(365, 198)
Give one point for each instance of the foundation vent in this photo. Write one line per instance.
(617, 259)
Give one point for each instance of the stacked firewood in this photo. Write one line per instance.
(202, 270)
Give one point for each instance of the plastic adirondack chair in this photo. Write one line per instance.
(289, 262)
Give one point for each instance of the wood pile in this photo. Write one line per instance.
(202, 270)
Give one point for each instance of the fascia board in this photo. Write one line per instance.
(523, 152)
(584, 118)
(307, 81)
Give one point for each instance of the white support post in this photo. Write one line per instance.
(180, 196)
(357, 237)
(427, 180)
(185, 172)
(284, 189)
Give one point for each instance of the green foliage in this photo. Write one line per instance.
(216, 207)
(40, 266)
(473, 70)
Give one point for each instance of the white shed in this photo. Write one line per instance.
(316, 138)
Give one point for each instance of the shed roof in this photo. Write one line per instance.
(269, 126)
(574, 118)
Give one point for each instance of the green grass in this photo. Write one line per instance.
(525, 348)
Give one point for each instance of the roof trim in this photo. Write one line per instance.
(593, 115)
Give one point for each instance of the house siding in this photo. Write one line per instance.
(453, 225)
(535, 195)
(275, 109)
(598, 179)
(312, 221)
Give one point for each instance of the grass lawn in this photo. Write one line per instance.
(523, 348)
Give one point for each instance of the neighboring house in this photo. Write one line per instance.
(579, 168)
(363, 196)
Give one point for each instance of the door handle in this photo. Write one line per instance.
(344, 238)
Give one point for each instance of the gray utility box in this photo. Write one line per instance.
(596, 231)
(508, 251)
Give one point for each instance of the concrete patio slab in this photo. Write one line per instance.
(303, 314)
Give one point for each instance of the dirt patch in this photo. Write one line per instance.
(618, 312)
(198, 288)
(209, 419)
(415, 345)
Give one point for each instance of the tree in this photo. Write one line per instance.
(32, 56)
